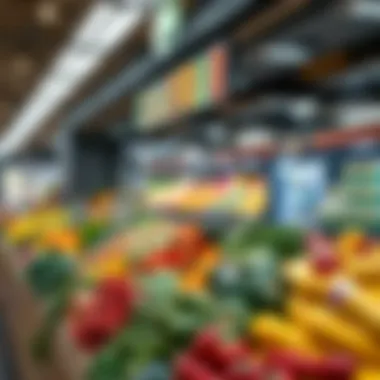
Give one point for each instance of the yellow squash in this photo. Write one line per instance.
(365, 269)
(367, 373)
(273, 332)
(358, 304)
(302, 278)
(331, 327)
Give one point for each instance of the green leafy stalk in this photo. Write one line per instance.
(56, 311)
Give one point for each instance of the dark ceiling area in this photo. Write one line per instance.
(31, 33)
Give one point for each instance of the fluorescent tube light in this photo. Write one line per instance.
(104, 27)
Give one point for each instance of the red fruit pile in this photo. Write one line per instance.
(211, 358)
(106, 311)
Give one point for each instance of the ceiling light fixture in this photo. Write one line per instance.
(104, 27)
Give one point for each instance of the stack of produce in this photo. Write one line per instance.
(322, 325)
(55, 229)
(331, 323)
(158, 301)
(213, 356)
(24, 228)
(90, 289)
(236, 196)
(149, 246)
(178, 303)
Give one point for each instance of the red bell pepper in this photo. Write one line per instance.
(187, 367)
(325, 264)
(103, 315)
(219, 354)
(207, 347)
(91, 332)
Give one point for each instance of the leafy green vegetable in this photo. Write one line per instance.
(56, 310)
(262, 279)
(50, 274)
(284, 241)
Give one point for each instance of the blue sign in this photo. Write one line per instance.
(300, 186)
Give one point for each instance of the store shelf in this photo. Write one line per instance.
(304, 48)
(309, 48)
(360, 83)
(205, 28)
(255, 159)
(343, 137)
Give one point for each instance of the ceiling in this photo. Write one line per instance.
(30, 38)
(109, 68)
(33, 41)
(31, 32)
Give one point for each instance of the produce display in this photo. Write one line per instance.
(56, 229)
(241, 196)
(159, 300)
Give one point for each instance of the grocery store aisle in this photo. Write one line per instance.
(7, 364)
